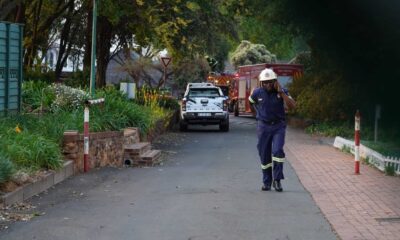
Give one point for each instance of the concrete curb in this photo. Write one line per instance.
(31, 189)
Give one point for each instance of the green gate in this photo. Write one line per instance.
(11, 36)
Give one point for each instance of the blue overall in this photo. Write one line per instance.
(271, 128)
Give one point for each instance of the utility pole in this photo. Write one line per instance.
(93, 58)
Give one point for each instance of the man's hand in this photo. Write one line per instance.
(290, 103)
(277, 86)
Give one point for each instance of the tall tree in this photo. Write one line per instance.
(69, 26)
(40, 17)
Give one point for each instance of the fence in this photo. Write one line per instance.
(374, 158)
(10, 67)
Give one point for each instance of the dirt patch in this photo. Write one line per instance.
(8, 187)
(20, 178)
(17, 212)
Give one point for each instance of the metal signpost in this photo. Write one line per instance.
(93, 59)
(165, 61)
(86, 132)
(357, 143)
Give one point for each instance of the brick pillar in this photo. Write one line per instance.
(71, 148)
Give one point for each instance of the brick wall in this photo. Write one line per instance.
(106, 148)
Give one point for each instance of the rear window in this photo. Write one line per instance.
(204, 92)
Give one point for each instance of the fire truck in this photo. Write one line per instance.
(246, 80)
(222, 80)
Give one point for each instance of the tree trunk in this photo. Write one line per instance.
(103, 44)
(88, 40)
(20, 13)
(65, 42)
(31, 50)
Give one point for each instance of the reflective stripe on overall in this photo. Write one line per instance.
(271, 139)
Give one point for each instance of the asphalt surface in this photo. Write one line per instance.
(208, 187)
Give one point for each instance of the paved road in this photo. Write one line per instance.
(207, 188)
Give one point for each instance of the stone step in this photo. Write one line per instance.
(137, 148)
(152, 156)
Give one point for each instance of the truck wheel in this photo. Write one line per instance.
(236, 109)
(224, 126)
(183, 126)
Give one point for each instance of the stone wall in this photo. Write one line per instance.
(105, 149)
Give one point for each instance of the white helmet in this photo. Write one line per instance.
(267, 74)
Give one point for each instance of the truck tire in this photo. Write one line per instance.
(224, 126)
(183, 126)
(236, 109)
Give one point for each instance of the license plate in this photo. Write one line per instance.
(204, 114)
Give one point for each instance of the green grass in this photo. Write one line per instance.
(331, 129)
(31, 151)
(388, 145)
(391, 149)
(390, 170)
(6, 168)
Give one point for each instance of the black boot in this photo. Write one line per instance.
(266, 187)
(277, 185)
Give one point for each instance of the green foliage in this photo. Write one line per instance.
(6, 168)
(322, 97)
(168, 102)
(78, 79)
(155, 98)
(35, 94)
(53, 97)
(346, 149)
(118, 112)
(390, 170)
(39, 74)
(386, 148)
(366, 160)
(30, 150)
(193, 70)
(331, 129)
(248, 53)
(67, 98)
(266, 23)
(303, 58)
(33, 141)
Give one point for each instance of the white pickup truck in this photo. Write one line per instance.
(204, 104)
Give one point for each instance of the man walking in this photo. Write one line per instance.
(269, 101)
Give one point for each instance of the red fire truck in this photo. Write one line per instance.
(247, 80)
(222, 80)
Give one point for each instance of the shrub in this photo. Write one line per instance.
(39, 73)
(67, 98)
(168, 102)
(321, 99)
(37, 143)
(390, 170)
(35, 95)
(30, 150)
(331, 129)
(6, 168)
(151, 97)
(117, 112)
(78, 79)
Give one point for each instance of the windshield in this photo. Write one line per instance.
(225, 90)
(204, 92)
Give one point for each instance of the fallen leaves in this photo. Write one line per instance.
(16, 213)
